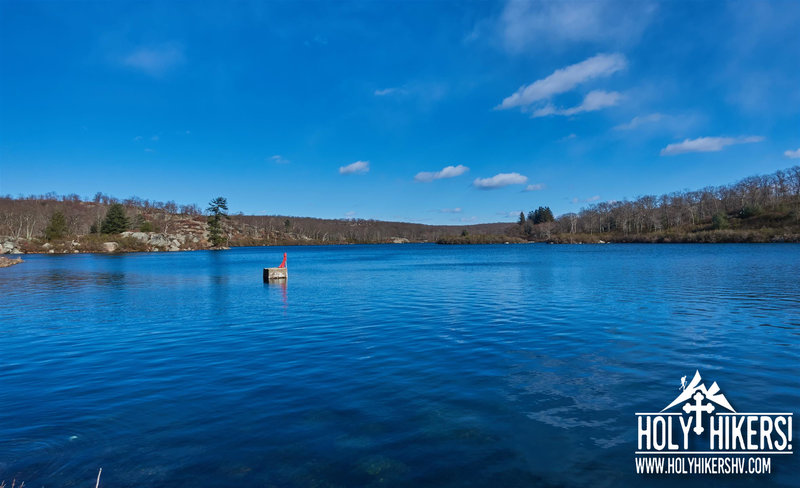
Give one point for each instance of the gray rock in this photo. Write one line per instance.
(159, 240)
(110, 246)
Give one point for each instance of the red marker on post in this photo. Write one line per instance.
(283, 264)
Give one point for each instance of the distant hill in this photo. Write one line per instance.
(157, 226)
(756, 209)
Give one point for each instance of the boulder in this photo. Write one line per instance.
(110, 246)
(159, 240)
(9, 247)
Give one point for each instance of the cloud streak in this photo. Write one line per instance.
(446, 172)
(706, 144)
(384, 92)
(594, 100)
(565, 79)
(500, 180)
(640, 120)
(535, 23)
(155, 61)
(354, 168)
(534, 187)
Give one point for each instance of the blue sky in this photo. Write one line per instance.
(434, 112)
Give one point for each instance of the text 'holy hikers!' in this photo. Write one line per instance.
(701, 422)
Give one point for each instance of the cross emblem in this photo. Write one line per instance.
(698, 408)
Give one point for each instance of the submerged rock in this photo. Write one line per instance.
(6, 262)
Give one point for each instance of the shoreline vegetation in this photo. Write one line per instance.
(757, 209)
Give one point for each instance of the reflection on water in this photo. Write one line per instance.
(282, 286)
(399, 365)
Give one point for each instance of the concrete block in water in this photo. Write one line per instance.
(275, 274)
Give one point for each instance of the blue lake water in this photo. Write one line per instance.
(389, 365)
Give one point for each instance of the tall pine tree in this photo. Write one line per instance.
(115, 221)
(217, 209)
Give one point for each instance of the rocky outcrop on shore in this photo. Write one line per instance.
(9, 246)
(185, 240)
(170, 242)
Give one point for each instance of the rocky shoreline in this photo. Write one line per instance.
(124, 242)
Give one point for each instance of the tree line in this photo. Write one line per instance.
(771, 201)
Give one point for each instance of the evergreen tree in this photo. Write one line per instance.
(57, 228)
(547, 214)
(115, 221)
(521, 218)
(217, 209)
(541, 215)
(719, 221)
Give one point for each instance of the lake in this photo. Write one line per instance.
(383, 365)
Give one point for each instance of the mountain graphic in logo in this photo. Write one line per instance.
(711, 394)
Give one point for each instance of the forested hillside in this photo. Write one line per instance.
(756, 209)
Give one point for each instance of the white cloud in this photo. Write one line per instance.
(384, 92)
(706, 144)
(594, 100)
(155, 61)
(534, 187)
(792, 154)
(640, 120)
(500, 180)
(586, 200)
(527, 24)
(565, 79)
(353, 168)
(350, 213)
(446, 172)
(451, 210)
(278, 159)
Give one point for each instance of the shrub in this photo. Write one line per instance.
(719, 221)
(750, 211)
